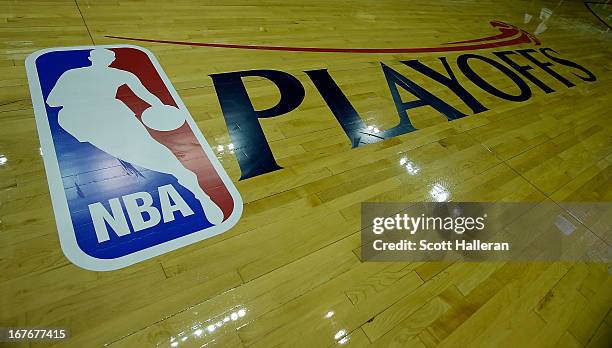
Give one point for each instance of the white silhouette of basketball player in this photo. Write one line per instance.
(91, 113)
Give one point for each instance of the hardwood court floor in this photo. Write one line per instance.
(290, 271)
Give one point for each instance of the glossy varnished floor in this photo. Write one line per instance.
(289, 273)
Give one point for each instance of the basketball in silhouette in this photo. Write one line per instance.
(163, 118)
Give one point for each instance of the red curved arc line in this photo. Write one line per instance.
(505, 33)
(518, 40)
(523, 38)
(532, 37)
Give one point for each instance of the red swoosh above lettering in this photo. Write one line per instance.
(510, 35)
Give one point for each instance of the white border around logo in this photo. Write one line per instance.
(56, 187)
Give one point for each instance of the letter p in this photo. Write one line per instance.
(251, 147)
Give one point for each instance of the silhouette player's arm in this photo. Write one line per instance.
(141, 91)
(57, 94)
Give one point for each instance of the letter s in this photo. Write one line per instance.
(590, 76)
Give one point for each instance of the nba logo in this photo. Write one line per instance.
(130, 174)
